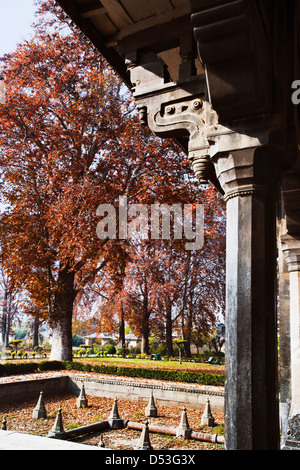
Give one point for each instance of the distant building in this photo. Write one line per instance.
(102, 338)
(131, 340)
(221, 330)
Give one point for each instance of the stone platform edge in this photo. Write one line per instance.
(13, 440)
(23, 390)
(140, 391)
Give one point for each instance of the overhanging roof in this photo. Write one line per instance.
(249, 48)
(117, 26)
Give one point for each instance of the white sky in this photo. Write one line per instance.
(16, 17)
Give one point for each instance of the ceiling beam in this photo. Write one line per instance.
(147, 23)
(94, 12)
(95, 36)
(117, 13)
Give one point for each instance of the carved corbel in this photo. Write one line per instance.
(175, 109)
(188, 118)
(185, 118)
(290, 224)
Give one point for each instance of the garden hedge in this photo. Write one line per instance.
(13, 368)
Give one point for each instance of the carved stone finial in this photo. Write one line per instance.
(144, 442)
(39, 411)
(207, 417)
(4, 423)
(57, 431)
(114, 420)
(143, 115)
(184, 429)
(202, 166)
(82, 401)
(101, 442)
(151, 410)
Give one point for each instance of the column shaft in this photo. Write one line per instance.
(295, 337)
(291, 249)
(249, 181)
(251, 404)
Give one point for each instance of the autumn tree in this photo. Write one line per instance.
(202, 284)
(70, 141)
(187, 287)
(54, 126)
(178, 286)
(167, 267)
(166, 285)
(10, 303)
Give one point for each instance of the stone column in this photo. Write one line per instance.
(251, 402)
(284, 344)
(291, 249)
(244, 162)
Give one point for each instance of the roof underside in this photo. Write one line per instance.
(115, 27)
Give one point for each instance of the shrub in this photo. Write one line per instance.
(158, 374)
(51, 365)
(15, 342)
(70, 365)
(123, 351)
(161, 374)
(111, 349)
(18, 368)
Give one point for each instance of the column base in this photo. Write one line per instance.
(292, 439)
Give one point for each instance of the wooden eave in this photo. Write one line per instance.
(113, 25)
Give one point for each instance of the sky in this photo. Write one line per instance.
(16, 17)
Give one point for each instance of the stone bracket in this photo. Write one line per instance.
(175, 109)
(182, 110)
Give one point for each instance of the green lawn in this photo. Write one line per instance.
(144, 363)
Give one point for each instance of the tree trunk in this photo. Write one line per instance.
(145, 339)
(169, 342)
(35, 338)
(122, 329)
(145, 345)
(3, 327)
(61, 349)
(61, 321)
(187, 336)
(6, 339)
(5, 322)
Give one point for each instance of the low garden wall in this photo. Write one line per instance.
(172, 395)
(140, 391)
(23, 390)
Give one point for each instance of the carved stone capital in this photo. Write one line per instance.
(249, 171)
(291, 251)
